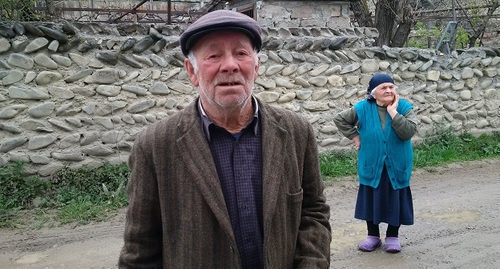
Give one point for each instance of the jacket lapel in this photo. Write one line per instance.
(274, 139)
(197, 158)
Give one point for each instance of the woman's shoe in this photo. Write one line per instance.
(370, 244)
(392, 245)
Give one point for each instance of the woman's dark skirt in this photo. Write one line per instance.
(384, 204)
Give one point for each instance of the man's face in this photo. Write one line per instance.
(226, 69)
(385, 93)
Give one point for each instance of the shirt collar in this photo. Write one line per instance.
(206, 122)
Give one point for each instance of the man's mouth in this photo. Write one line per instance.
(228, 83)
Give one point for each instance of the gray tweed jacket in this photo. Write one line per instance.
(177, 216)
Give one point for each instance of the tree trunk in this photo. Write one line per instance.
(362, 14)
(403, 31)
(482, 26)
(385, 16)
(51, 7)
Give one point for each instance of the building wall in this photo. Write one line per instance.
(272, 13)
(79, 96)
(332, 14)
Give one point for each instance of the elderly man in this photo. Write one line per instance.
(228, 182)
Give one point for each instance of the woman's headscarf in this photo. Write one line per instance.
(376, 80)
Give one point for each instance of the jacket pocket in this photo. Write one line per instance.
(296, 197)
(367, 172)
(402, 176)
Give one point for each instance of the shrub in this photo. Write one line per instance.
(82, 194)
(104, 184)
(17, 190)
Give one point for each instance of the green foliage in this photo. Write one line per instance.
(423, 34)
(106, 183)
(442, 148)
(447, 147)
(462, 38)
(83, 210)
(338, 163)
(17, 10)
(428, 37)
(83, 195)
(17, 190)
(92, 194)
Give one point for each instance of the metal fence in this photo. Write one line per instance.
(115, 11)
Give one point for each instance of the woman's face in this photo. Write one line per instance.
(384, 94)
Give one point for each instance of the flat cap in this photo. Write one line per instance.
(220, 20)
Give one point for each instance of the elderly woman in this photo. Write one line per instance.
(381, 127)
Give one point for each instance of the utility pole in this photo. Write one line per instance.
(169, 15)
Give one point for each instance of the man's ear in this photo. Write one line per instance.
(257, 65)
(191, 73)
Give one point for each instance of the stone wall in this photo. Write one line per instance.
(77, 94)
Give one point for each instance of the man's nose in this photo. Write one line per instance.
(229, 64)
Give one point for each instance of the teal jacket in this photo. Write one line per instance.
(382, 147)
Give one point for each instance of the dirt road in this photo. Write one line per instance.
(457, 225)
